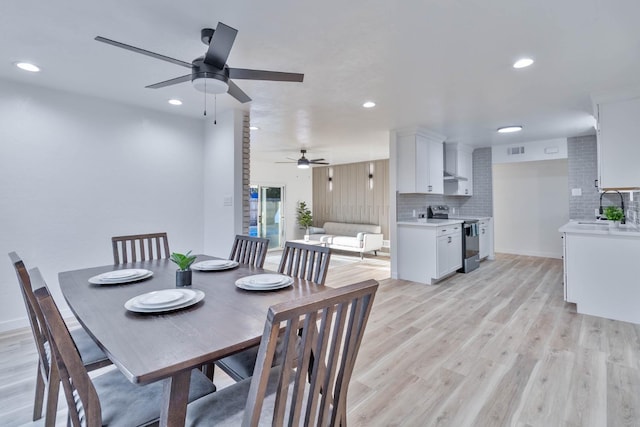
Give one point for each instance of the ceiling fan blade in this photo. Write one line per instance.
(237, 93)
(142, 51)
(170, 82)
(287, 162)
(220, 45)
(316, 160)
(318, 163)
(279, 76)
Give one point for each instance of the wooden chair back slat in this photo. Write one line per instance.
(140, 247)
(79, 390)
(36, 321)
(333, 324)
(249, 250)
(308, 262)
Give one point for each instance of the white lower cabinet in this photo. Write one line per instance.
(428, 253)
(449, 250)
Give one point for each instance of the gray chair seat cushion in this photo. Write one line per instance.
(87, 347)
(126, 404)
(226, 407)
(240, 365)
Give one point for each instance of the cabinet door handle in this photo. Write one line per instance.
(429, 188)
(466, 191)
(449, 241)
(595, 183)
(483, 231)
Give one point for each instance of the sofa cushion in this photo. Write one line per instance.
(352, 242)
(349, 229)
(316, 230)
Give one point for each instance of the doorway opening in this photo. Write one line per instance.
(266, 214)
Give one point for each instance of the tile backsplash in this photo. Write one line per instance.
(583, 171)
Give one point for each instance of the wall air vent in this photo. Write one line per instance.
(515, 150)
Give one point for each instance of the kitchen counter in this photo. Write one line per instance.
(431, 222)
(600, 269)
(463, 217)
(599, 228)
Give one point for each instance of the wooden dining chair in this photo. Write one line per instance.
(108, 399)
(308, 262)
(249, 250)
(282, 395)
(140, 247)
(46, 376)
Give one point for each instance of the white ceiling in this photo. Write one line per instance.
(442, 64)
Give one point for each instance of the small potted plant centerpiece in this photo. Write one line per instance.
(304, 218)
(183, 274)
(614, 214)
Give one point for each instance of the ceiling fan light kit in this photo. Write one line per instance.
(210, 73)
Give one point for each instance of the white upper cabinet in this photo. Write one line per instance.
(420, 162)
(619, 143)
(458, 168)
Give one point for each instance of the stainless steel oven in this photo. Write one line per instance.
(470, 245)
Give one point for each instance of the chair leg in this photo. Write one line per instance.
(375, 253)
(208, 370)
(39, 398)
(52, 401)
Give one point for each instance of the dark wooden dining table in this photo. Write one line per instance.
(166, 346)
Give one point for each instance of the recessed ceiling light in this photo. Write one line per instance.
(175, 102)
(369, 104)
(522, 63)
(27, 67)
(254, 128)
(509, 129)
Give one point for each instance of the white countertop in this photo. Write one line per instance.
(599, 228)
(431, 222)
(479, 218)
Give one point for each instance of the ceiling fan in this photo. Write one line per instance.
(210, 73)
(304, 163)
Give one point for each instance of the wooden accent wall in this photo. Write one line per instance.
(351, 199)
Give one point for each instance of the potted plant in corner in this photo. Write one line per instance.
(183, 274)
(304, 218)
(614, 214)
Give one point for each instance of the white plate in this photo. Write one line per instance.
(159, 298)
(253, 283)
(185, 295)
(106, 279)
(214, 264)
(198, 296)
(265, 279)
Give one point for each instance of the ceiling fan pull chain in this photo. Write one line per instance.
(215, 109)
(205, 97)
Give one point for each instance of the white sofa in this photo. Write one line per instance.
(349, 236)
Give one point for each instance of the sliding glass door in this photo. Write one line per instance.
(266, 209)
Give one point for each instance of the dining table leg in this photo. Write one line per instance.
(174, 399)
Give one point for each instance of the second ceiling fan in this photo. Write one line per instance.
(210, 73)
(304, 163)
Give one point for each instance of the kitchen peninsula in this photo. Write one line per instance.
(600, 265)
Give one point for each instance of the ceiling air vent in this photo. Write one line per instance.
(515, 150)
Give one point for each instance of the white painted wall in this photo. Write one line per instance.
(298, 187)
(222, 183)
(531, 201)
(76, 170)
(549, 149)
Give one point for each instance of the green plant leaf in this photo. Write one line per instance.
(183, 261)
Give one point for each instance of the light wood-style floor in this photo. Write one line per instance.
(496, 347)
